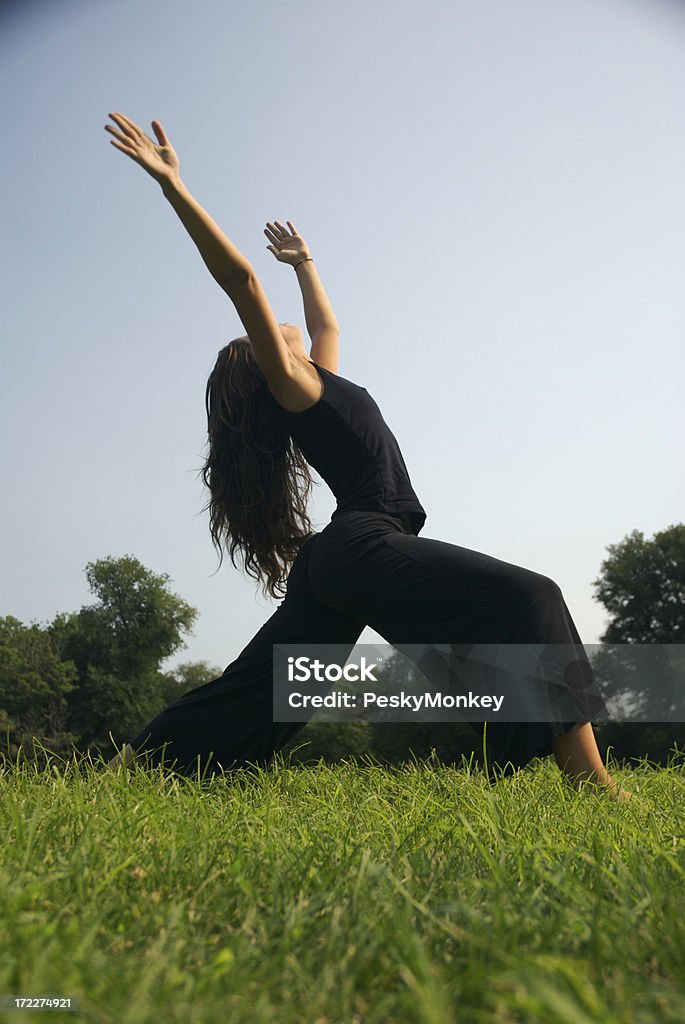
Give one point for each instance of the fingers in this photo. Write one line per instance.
(127, 124)
(274, 234)
(277, 233)
(160, 133)
(133, 133)
(125, 149)
(118, 135)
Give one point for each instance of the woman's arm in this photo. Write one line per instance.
(223, 260)
(322, 325)
(227, 265)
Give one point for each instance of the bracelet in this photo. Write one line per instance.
(304, 261)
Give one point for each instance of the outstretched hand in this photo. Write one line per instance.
(160, 161)
(288, 246)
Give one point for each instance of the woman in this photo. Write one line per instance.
(270, 406)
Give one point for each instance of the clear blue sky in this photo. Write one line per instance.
(494, 194)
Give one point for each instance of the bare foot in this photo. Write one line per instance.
(579, 759)
(613, 789)
(615, 792)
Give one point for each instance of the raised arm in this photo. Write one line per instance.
(227, 265)
(288, 246)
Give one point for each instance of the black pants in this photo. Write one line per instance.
(365, 568)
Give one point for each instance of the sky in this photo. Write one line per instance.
(494, 196)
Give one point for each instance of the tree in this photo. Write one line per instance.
(642, 586)
(186, 677)
(117, 645)
(35, 684)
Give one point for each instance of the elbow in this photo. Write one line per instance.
(237, 280)
(243, 275)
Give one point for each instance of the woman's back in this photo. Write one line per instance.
(347, 441)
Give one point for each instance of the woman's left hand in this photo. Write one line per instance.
(160, 161)
(288, 246)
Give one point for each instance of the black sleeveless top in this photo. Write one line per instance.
(347, 441)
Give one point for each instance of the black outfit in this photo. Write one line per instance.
(368, 566)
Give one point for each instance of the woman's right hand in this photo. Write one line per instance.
(288, 246)
(160, 161)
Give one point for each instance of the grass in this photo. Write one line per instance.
(348, 893)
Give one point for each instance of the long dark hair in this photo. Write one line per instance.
(258, 479)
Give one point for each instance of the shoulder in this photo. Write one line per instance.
(302, 388)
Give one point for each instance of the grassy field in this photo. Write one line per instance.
(346, 893)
